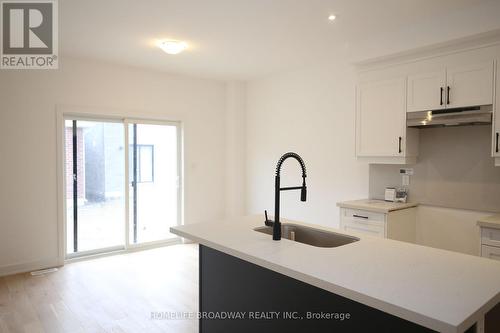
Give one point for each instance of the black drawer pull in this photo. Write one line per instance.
(399, 145)
(360, 216)
(497, 142)
(441, 96)
(448, 95)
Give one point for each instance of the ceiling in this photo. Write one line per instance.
(246, 39)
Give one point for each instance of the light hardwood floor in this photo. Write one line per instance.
(110, 294)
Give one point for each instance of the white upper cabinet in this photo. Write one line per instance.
(455, 86)
(380, 111)
(389, 89)
(426, 91)
(469, 85)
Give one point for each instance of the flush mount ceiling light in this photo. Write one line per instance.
(172, 46)
(332, 17)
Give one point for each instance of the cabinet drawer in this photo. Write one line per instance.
(359, 214)
(367, 229)
(490, 236)
(362, 222)
(490, 252)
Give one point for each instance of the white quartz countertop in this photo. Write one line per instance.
(492, 221)
(373, 205)
(442, 290)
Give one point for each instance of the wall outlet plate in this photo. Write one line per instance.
(406, 180)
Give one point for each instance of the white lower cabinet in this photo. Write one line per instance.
(490, 236)
(398, 225)
(490, 243)
(491, 252)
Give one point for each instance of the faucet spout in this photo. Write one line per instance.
(295, 156)
(277, 189)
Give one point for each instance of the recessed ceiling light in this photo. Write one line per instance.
(172, 46)
(332, 17)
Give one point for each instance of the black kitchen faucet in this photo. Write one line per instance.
(277, 189)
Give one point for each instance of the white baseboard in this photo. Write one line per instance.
(29, 266)
(58, 262)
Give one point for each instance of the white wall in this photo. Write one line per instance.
(235, 148)
(310, 112)
(28, 190)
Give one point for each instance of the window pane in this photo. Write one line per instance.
(101, 185)
(68, 150)
(146, 163)
(156, 188)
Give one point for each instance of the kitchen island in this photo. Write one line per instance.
(381, 284)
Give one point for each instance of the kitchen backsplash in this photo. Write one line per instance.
(454, 169)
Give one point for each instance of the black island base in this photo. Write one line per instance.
(239, 297)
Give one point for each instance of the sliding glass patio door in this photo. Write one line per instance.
(95, 185)
(153, 181)
(122, 184)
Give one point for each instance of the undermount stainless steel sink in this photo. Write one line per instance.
(310, 236)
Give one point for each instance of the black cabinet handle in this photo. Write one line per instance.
(360, 216)
(448, 94)
(441, 96)
(497, 143)
(399, 145)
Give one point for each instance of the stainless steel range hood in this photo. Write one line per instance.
(477, 115)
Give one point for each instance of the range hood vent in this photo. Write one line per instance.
(476, 115)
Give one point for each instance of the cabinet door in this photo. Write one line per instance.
(381, 118)
(426, 91)
(469, 85)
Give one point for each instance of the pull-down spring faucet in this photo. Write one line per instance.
(277, 189)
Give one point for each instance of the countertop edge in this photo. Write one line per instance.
(492, 221)
(409, 315)
(492, 225)
(476, 316)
